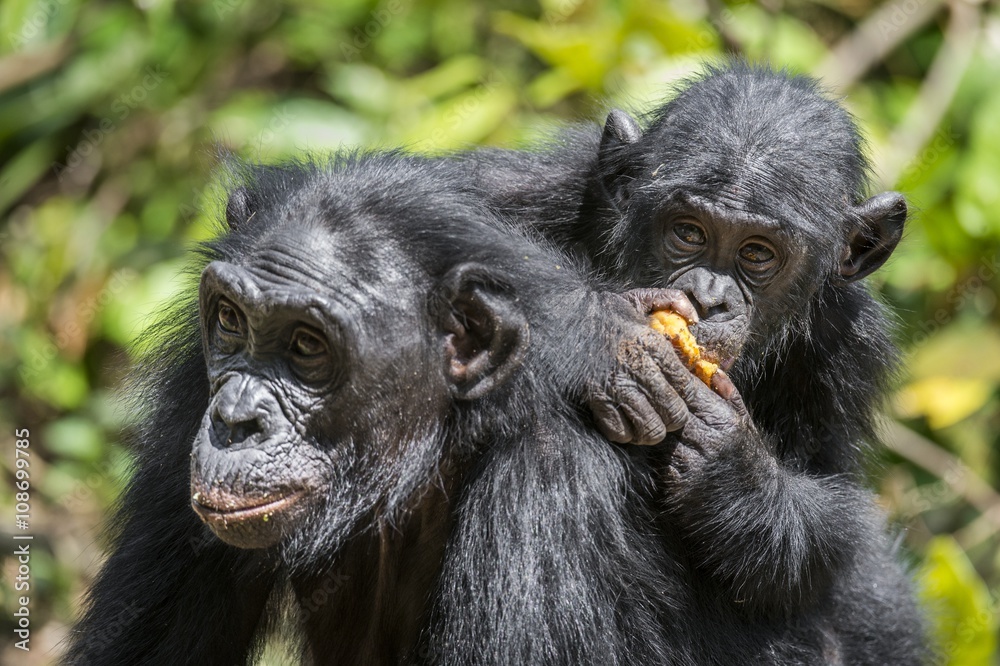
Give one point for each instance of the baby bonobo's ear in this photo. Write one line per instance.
(620, 129)
(486, 334)
(877, 231)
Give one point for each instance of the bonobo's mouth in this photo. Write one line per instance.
(248, 522)
(724, 357)
(234, 509)
(720, 344)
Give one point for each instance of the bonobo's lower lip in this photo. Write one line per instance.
(235, 514)
(727, 363)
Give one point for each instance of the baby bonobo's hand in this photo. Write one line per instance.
(652, 391)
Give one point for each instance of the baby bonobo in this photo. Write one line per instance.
(745, 195)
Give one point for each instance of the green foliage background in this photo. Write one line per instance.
(108, 116)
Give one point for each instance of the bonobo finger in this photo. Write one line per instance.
(609, 420)
(647, 301)
(668, 405)
(646, 424)
(667, 359)
(724, 386)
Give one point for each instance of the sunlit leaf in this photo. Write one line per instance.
(75, 438)
(266, 129)
(586, 53)
(673, 33)
(462, 120)
(447, 78)
(136, 301)
(944, 401)
(963, 620)
(967, 350)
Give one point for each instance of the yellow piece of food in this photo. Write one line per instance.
(675, 327)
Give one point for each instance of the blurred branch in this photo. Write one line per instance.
(872, 40)
(721, 22)
(979, 530)
(936, 93)
(929, 456)
(18, 68)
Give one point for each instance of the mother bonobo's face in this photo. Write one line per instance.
(301, 395)
(335, 360)
(276, 346)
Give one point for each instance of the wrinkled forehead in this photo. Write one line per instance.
(304, 254)
(748, 206)
(338, 262)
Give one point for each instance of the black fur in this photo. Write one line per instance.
(551, 558)
(778, 527)
(510, 532)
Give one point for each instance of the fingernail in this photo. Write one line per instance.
(723, 385)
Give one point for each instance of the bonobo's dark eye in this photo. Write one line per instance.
(757, 255)
(308, 344)
(230, 321)
(689, 233)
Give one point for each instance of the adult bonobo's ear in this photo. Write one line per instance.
(620, 129)
(879, 227)
(486, 335)
(239, 208)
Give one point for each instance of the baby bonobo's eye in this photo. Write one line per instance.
(757, 255)
(689, 233)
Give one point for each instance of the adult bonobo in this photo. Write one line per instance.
(746, 194)
(373, 362)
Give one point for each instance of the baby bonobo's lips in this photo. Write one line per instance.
(721, 356)
(719, 344)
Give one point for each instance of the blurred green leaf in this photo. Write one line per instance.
(964, 623)
(944, 401)
(268, 129)
(461, 120)
(966, 350)
(584, 53)
(75, 438)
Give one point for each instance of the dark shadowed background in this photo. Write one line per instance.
(109, 112)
